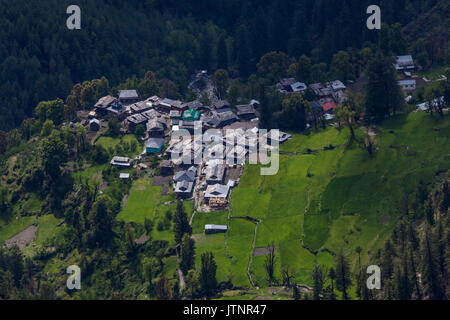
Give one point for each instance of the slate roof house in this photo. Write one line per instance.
(167, 105)
(196, 105)
(154, 145)
(184, 182)
(117, 111)
(246, 111)
(155, 128)
(221, 104)
(215, 173)
(218, 120)
(216, 191)
(103, 104)
(153, 114)
(321, 90)
(128, 96)
(337, 85)
(404, 63)
(162, 106)
(288, 85)
(141, 106)
(184, 189)
(135, 120)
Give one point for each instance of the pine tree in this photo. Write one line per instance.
(163, 289)
(430, 271)
(208, 280)
(295, 292)
(429, 212)
(222, 54)
(181, 223)
(343, 275)
(318, 282)
(332, 276)
(187, 254)
(386, 260)
(414, 280)
(383, 94)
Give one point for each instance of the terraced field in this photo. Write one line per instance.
(147, 201)
(327, 200)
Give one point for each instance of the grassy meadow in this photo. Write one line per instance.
(327, 200)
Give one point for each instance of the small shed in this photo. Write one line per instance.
(124, 176)
(215, 228)
(167, 168)
(94, 125)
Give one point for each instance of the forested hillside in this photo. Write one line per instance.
(41, 59)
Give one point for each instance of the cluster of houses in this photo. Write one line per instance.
(159, 117)
(210, 179)
(327, 95)
(219, 156)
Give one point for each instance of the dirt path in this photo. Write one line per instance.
(22, 238)
(250, 260)
(182, 282)
(284, 153)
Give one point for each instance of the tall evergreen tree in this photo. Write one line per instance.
(222, 54)
(181, 223)
(343, 274)
(383, 94)
(187, 254)
(430, 271)
(318, 278)
(208, 281)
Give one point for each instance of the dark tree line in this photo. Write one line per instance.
(41, 59)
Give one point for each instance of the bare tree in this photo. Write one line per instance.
(287, 275)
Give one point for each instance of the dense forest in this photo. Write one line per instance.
(41, 59)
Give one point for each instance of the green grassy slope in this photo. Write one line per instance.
(336, 198)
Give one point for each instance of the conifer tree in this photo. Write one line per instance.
(181, 223)
(343, 275)
(187, 254)
(208, 281)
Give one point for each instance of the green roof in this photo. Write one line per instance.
(191, 114)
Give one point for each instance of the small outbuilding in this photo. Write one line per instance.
(94, 125)
(167, 168)
(124, 176)
(215, 228)
(121, 161)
